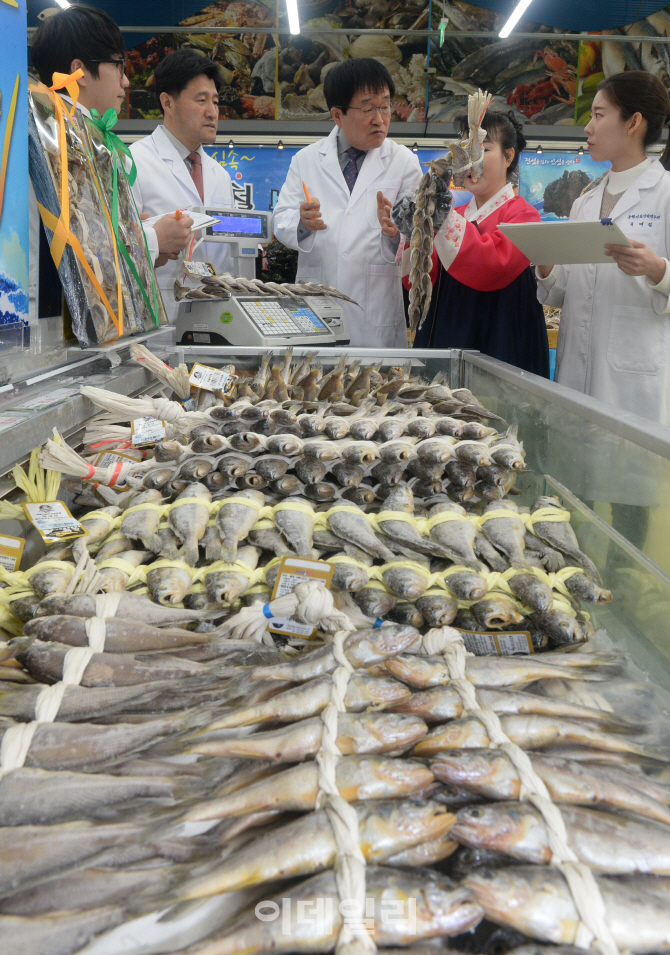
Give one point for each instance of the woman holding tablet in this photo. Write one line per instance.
(614, 335)
(485, 292)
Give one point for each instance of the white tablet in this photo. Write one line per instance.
(564, 243)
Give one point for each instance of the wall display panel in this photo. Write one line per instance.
(13, 175)
(258, 173)
(552, 181)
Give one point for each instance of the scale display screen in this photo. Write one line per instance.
(283, 317)
(230, 224)
(238, 225)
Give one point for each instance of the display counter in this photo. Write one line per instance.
(596, 460)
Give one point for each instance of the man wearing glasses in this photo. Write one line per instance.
(347, 175)
(81, 37)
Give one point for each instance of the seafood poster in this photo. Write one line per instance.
(552, 181)
(257, 173)
(281, 77)
(14, 249)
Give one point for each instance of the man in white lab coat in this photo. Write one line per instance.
(82, 37)
(173, 170)
(327, 208)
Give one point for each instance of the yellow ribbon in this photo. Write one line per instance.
(376, 519)
(186, 500)
(551, 515)
(119, 564)
(297, 506)
(557, 580)
(429, 523)
(221, 566)
(60, 226)
(141, 573)
(102, 516)
(500, 512)
(145, 507)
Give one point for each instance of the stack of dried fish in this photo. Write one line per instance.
(148, 760)
(394, 479)
(223, 286)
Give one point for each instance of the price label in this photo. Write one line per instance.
(294, 571)
(11, 549)
(211, 379)
(54, 521)
(198, 269)
(146, 431)
(505, 643)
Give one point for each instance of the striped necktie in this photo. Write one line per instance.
(350, 171)
(196, 173)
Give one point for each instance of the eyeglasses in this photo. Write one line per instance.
(367, 112)
(119, 64)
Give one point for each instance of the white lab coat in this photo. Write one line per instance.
(347, 255)
(163, 185)
(613, 339)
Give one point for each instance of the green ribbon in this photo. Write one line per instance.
(105, 123)
(118, 149)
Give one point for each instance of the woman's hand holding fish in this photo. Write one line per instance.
(384, 207)
(310, 216)
(637, 259)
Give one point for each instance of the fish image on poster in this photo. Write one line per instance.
(552, 181)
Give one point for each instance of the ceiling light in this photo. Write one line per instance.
(518, 12)
(580, 151)
(231, 144)
(415, 148)
(293, 18)
(280, 145)
(63, 3)
(539, 150)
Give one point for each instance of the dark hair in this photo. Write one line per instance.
(353, 76)
(76, 33)
(503, 128)
(175, 72)
(639, 92)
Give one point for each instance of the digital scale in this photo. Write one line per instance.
(265, 321)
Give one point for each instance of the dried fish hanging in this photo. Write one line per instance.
(432, 204)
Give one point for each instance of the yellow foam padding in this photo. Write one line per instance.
(119, 563)
(429, 523)
(265, 524)
(557, 580)
(101, 516)
(259, 588)
(263, 510)
(500, 512)
(322, 519)
(14, 593)
(221, 566)
(138, 590)
(197, 588)
(66, 567)
(118, 535)
(145, 507)
(437, 592)
(344, 559)
(186, 500)
(294, 506)
(375, 584)
(552, 515)
(459, 569)
(376, 519)
(431, 579)
(140, 573)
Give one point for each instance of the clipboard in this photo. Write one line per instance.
(565, 243)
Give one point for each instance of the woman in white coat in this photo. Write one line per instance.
(614, 336)
(344, 174)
